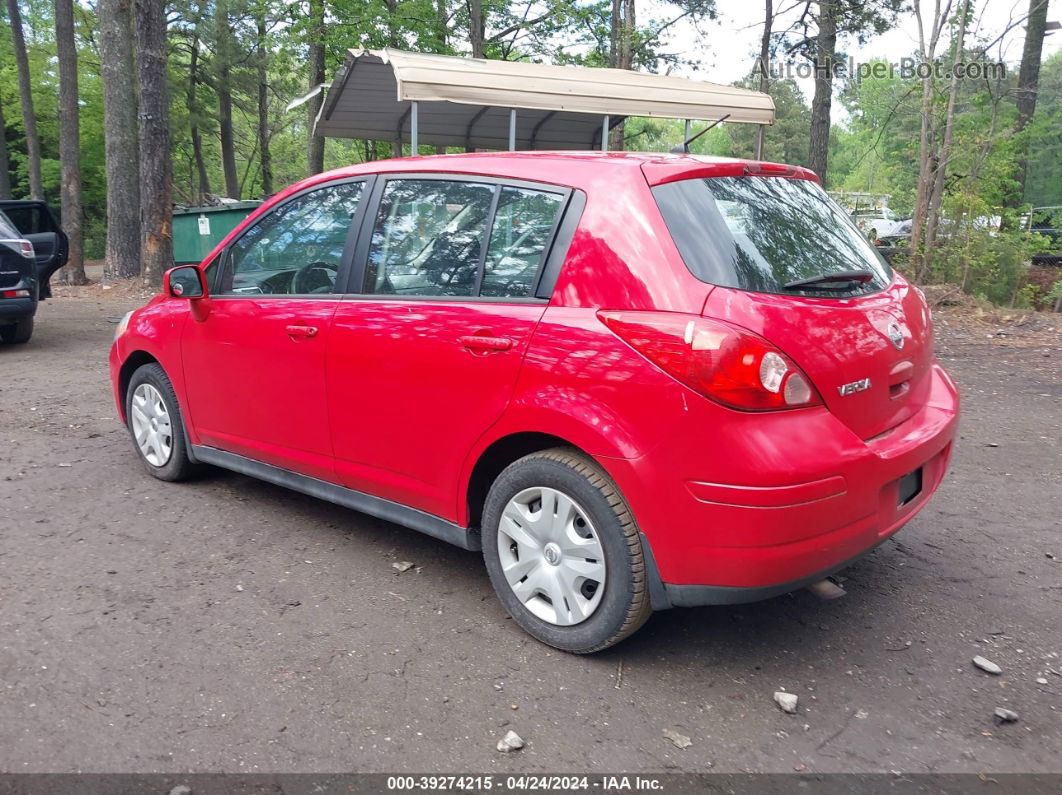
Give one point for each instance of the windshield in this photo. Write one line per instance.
(763, 233)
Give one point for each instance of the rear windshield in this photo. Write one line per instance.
(763, 233)
(7, 229)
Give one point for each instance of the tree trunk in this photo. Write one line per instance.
(265, 157)
(69, 142)
(621, 52)
(194, 111)
(825, 45)
(119, 130)
(937, 196)
(927, 144)
(155, 169)
(442, 33)
(315, 148)
(614, 33)
(1029, 74)
(1029, 79)
(29, 118)
(763, 65)
(223, 87)
(925, 171)
(477, 29)
(5, 162)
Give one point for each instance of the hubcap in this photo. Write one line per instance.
(151, 425)
(551, 556)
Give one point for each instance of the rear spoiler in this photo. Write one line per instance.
(661, 172)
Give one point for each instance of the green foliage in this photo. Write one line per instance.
(874, 150)
(1043, 183)
(1054, 295)
(985, 260)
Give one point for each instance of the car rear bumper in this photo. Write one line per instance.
(16, 308)
(830, 497)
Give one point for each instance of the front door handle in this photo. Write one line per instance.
(478, 342)
(302, 331)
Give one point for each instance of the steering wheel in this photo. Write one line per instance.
(316, 277)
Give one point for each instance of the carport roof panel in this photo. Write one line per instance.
(371, 95)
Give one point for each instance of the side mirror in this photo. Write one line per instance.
(185, 281)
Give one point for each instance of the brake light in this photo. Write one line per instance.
(26, 248)
(769, 169)
(723, 362)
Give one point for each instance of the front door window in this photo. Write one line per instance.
(297, 249)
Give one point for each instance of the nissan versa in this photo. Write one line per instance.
(633, 381)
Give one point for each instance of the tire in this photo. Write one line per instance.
(175, 465)
(19, 332)
(622, 605)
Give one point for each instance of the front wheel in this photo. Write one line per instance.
(155, 423)
(19, 332)
(563, 552)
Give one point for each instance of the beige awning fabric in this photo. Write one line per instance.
(468, 101)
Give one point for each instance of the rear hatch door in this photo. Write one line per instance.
(792, 266)
(869, 357)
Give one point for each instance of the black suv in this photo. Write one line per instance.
(32, 248)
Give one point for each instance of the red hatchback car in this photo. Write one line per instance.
(634, 381)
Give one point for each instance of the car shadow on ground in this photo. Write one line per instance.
(738, 637)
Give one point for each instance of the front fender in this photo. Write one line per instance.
(155, 330)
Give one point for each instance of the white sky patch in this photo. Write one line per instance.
(727, 48)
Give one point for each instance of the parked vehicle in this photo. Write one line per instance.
(32, 248)
(633, 381)
(892, 247)
(878, 222)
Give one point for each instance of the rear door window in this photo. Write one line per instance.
(30, 219)
(523, 228)
(429, 237)
(463, 238)
(764, 233)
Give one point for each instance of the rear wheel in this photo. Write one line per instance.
(18, 332)
(155, 423)
(563, 552)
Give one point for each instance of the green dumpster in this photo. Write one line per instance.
(196, 230)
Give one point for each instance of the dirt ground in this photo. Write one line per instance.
(230, 625)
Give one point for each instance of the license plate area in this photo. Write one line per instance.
(910, 487)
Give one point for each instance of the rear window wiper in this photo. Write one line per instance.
(825, 280)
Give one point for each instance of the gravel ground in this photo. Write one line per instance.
(230, 625)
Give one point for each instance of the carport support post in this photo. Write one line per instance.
(687, 128)
(604, 134)
(512, 129)
(413, 130)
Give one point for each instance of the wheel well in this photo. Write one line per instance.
(134, 361)
(496, 458)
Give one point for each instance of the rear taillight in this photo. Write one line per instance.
(723, 362)
(26, 248)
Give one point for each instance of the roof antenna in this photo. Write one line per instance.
(684, 147)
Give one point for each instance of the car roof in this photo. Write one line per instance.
(573, 169)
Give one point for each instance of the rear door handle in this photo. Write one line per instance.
(477, 342)
(302, 331)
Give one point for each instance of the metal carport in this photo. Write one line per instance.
(443, 100)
